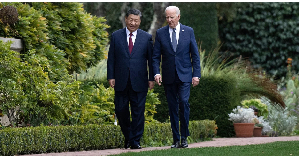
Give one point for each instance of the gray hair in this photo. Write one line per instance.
(173, 7)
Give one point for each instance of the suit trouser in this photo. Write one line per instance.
(178, 94)
(133, 130)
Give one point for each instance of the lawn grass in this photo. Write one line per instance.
(280, 148)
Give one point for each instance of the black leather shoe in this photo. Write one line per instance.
(126, 144)
(136, 147)
(176, 144)
(184, 143)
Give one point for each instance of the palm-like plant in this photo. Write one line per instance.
(249, 81)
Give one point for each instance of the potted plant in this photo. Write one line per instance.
(256, 104)
(266, 128)
(257, 128)
(242, 119)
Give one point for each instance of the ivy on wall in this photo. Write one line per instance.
(265, 33)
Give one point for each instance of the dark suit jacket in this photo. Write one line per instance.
(185, 60)
(121, 64)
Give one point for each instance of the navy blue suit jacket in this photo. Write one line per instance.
(121, 64)
(185, 60)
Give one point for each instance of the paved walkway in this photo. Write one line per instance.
(217, 142)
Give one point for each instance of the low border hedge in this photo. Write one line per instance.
(45, 139)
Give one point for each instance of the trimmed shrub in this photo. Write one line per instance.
(212, 99)
(46, 139)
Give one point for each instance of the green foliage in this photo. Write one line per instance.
(96, 105)
(265, 33)
(281, 121)
(81, 36)
(262, 108)
(44, 139)
(213, 99)
(32, 29)
(152, 101)
(205, 25)
(26, 87)
(95, 76)
(289, 89)
(58, 38)
(11, 92)
(97, 73)
(70, 38)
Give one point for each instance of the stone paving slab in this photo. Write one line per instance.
(217, 142)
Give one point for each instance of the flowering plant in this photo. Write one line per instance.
(242, 115)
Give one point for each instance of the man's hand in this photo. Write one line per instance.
(195, 81)
(151, 84)
(158, 79)
(112, 83)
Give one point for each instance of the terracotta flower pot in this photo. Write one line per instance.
(243, 129)
(257, 131)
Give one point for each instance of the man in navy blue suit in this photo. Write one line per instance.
(129, 55)
(175, 44)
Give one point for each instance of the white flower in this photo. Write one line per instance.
(241, 115)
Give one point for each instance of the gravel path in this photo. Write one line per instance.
(217, 142)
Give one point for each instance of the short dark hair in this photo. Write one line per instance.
(134, 12)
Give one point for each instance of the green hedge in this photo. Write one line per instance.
(46, 139)
(213, 99)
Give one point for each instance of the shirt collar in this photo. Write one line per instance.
(128, 32)
(177, 28)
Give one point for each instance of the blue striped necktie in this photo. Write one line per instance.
(174, 41)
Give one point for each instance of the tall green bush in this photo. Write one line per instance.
(26, 87)
(58, 38)
(265, 33)
(82, 36)
(63, 32)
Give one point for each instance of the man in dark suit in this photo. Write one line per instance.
(129, 55)
(177, 47)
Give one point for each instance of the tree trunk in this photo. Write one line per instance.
(158, 17)
(11, 116)
(123, 13)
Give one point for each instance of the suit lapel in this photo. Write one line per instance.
(181, 37)
(136, 42)
(168, 39)
(124, 41)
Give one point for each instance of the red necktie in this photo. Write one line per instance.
(130, 43)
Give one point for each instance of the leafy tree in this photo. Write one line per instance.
(63, 32)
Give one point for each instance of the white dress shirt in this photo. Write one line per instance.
(177, 32)
(133, 37)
